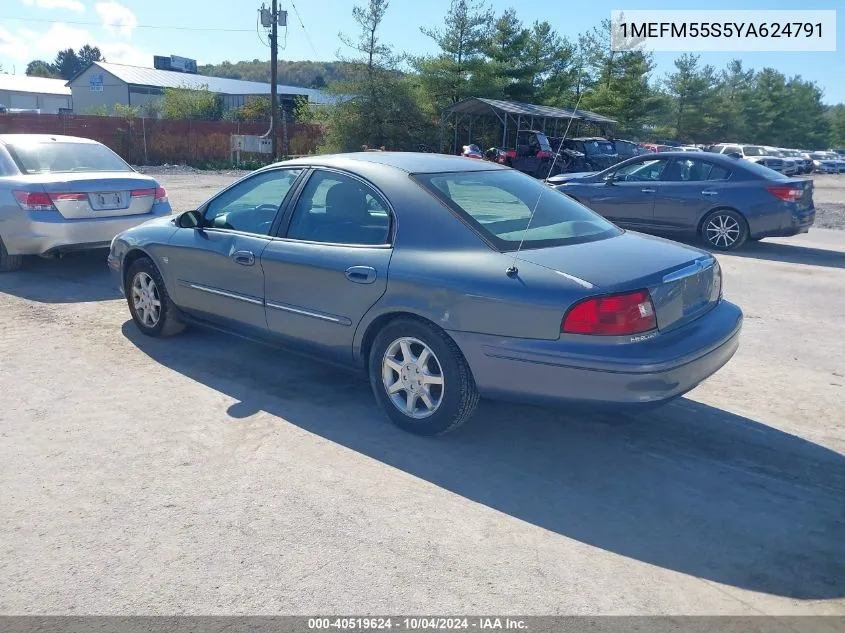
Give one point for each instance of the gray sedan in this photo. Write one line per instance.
(721, 199)
(442, 278)
(62, 193)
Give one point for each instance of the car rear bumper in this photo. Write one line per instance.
(47, 232)
(783, 224)
(647, 373)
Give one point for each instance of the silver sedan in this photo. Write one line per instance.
(62, 193)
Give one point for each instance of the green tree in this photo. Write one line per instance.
(89, 54)
(460, 69)
(837, 125)
(191, 104)
(692, 89)
(805, 123)
(67, 63)
(549, 64)
(622, 90)
(127, 112)
(505, 49)
(731, 102)
(382, 110)
(40, 68)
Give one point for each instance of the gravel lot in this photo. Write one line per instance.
(207, 475)
(829, 196)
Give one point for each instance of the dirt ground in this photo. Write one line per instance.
(207, 475)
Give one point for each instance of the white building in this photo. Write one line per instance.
(106, 84)
(35, 93)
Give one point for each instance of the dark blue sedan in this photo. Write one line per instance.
(442, 278)
(720, 199)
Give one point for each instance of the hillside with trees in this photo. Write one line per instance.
(305, 73)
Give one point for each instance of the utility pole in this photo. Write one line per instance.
(274, 71)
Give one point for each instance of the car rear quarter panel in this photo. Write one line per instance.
(441, 270)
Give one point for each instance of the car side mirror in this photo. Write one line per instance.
(610, 179)
(190, 220)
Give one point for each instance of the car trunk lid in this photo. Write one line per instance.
(684, 282)
(97, 195)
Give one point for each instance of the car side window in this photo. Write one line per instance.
(339, 209)
(732, 149)
(694, 170)
(641, 171)
(251, 205)
(717, 172)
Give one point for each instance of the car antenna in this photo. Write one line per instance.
(512, 270)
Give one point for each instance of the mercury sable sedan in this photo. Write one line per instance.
(443, 278)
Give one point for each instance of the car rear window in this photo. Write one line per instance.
(499, 205)
(57, 157)
(599, 147)
(755, 150)
(762, 171)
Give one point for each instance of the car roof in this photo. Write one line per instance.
(15, 139)
(712, 156)
(411, 162)
(590, 138)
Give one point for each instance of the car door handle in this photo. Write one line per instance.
(709, 192)
(361, 274)
(647, 190)
(244, 258)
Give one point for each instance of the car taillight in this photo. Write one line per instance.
(620, 314)
(34, 201)
(158, 194)
(790, 194)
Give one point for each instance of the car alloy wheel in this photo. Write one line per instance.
(413, 377)
(722, 231)
(146, 299)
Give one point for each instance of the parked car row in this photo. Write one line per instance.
(789, 162)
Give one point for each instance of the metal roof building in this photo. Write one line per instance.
(105, 84)
(513, 116)
(34, 93)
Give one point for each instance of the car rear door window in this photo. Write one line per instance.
(694, 170)
(251, 205)
(338, 209)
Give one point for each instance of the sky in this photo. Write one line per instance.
(212, 31)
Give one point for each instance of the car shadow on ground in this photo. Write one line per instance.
(789, 253)
(76, 277)
(689, 487)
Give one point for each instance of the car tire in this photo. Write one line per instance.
(451, 396)
(144, 288)
(724, 230)
(9, 263)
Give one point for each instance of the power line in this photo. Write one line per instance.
(304, 30)
(134, 26)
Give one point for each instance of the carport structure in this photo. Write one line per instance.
(477, 113)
